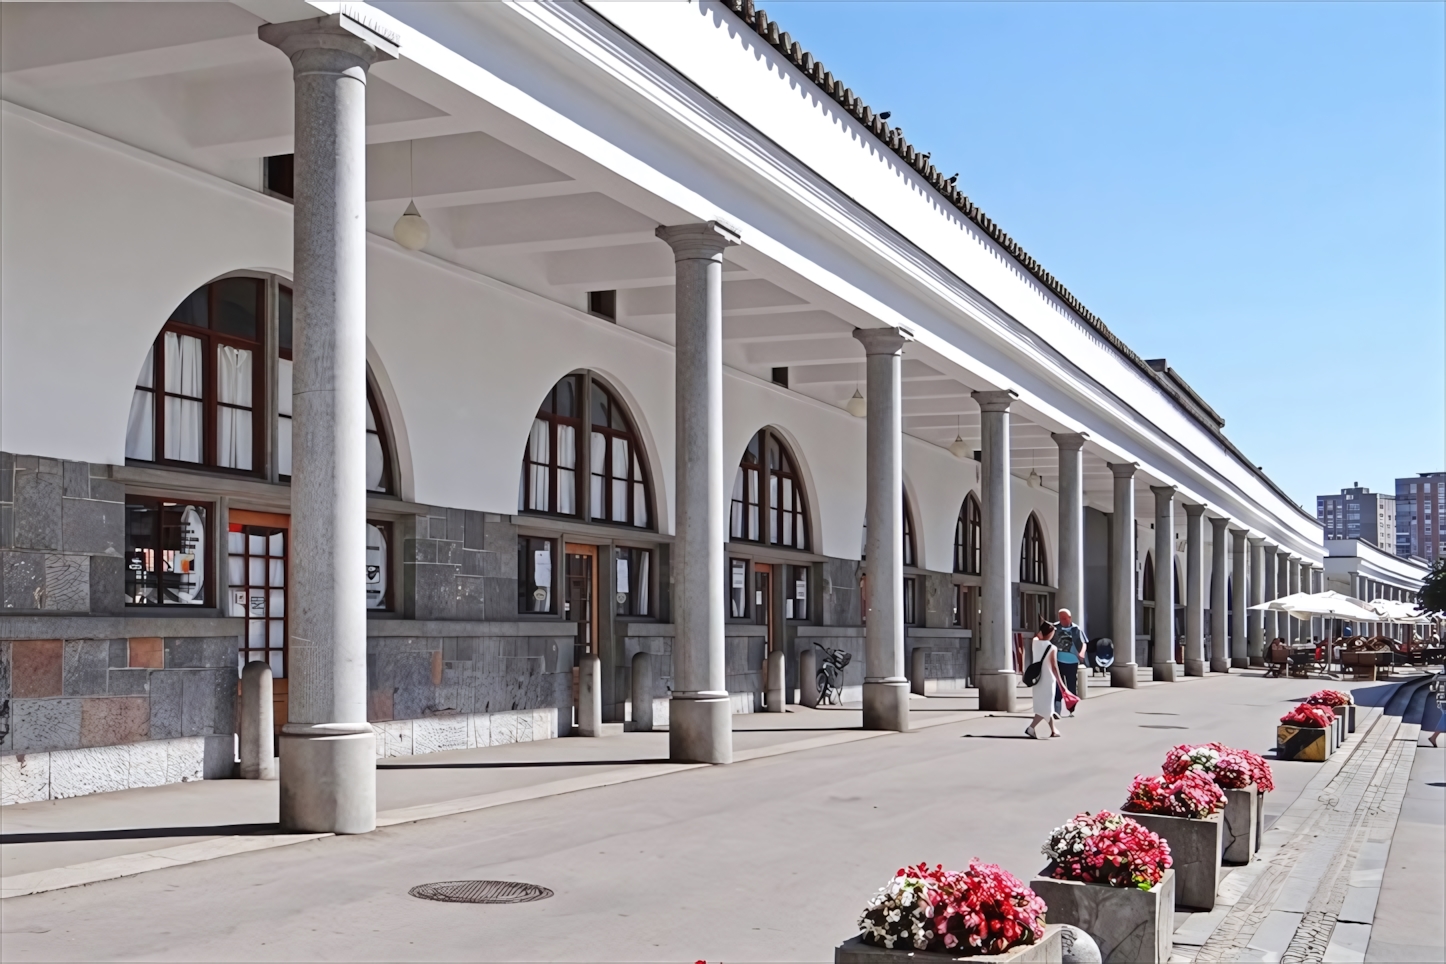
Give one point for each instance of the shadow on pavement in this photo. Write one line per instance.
(141, 833)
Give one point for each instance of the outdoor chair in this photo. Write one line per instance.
(1277, 660)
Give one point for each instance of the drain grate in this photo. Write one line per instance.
(481, 892)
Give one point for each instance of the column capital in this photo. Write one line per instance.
(702, 241)
(1192, 509)
(883, 341)
(1219, 523)
(995, 401)
(1270, 547)
(1257, 541)
(1164, 491)
(1124, 470)
(336, 32)
(1069, 441)
(1237, 532)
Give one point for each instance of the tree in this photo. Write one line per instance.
(1433, 589)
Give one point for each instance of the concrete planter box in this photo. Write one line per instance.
(1239, 839)
(1259, 820)
(1350, 717)
(1050, 950)
(1309, 743)
(1195, 851)
(1343, 723)
(1128, 924)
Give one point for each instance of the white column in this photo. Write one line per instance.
(1071, 539)
(1194, 590)
(1270, 625)
(1256, 642)
(1219, 614)
(996, 676)
(1163, 639)
(700, 724)
(328, 750)
(886, 688)
(1240, 590)
(1122, 575)
(1294, 568)
(1071, 524)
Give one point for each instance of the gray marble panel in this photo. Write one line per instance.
(94, 527)
(167, 693)
(200, 652)
(128, 682)
(67, 582)
(84, 665)
(37, 507)
(52, 724)
(22, 580)
(76, 479)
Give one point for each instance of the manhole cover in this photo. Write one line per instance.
(481, 892)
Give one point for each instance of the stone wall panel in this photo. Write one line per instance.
(38, 488)
(22, 580)
(85, 666)
(24, 778)
(51, 724)
(37, 668)
(113, 720)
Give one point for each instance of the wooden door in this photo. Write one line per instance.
(763, 600)
(580, 603)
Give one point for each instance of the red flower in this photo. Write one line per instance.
(1309, 714)
(1329, 698)
(985, 909)
(1192, 795)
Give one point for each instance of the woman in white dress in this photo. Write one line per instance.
(1042, 649)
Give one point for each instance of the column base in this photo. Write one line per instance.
(329, 778)
(700, 730)
(1163, 672)
(1239, 662)
(1194, 667)
(1220, 666)
(1257, 661)
(997, 691)
(1125, 675)
(886, 705)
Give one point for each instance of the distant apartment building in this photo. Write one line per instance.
(1421, 516)
(1358, 513)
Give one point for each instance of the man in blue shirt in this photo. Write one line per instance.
(1070, 642)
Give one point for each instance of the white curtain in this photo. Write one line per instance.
(233, 425)
(620, 480)
(640, 496)
(538, 457)
(566, 469)
(141, 425)
(599, 450)
(183, 397)
(283, 416)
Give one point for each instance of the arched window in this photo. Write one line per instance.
(200, 387)
(1032, 565)
(908, 532)
(580, 406)
(966, 537)
(768, 502)
(619, 488)
(549, 465)
(1147, 587)
(201, 394)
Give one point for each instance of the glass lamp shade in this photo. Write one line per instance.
(411, 231)
(959, 447)
(1034, 479)
(856, 406)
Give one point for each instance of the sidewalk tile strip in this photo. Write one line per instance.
(1348, 944)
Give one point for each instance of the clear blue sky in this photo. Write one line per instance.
(1254, 191)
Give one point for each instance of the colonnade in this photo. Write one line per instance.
(328, 761)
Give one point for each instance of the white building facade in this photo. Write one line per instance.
(604, 409)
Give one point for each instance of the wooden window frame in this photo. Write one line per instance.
(968, 532)
(761, 477)
(1033, 562)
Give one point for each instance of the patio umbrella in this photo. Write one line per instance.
(1331, 604)
(1396, 611)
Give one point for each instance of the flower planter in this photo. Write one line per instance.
(1127, 923)
(1195, 854)
(1343, 723)
(1049, 950)
(1259, 819)
(1351, 718)
(1308, 743)
(1240, 826)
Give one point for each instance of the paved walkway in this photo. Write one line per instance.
(769, 859)
(63, 843)
(1313, 893)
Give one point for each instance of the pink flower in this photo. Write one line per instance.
(1191, 795)
(1309, 714)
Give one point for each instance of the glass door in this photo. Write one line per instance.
(579, 603)
(257, 556)
(763, 599)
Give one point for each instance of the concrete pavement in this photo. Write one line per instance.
(768, 859)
